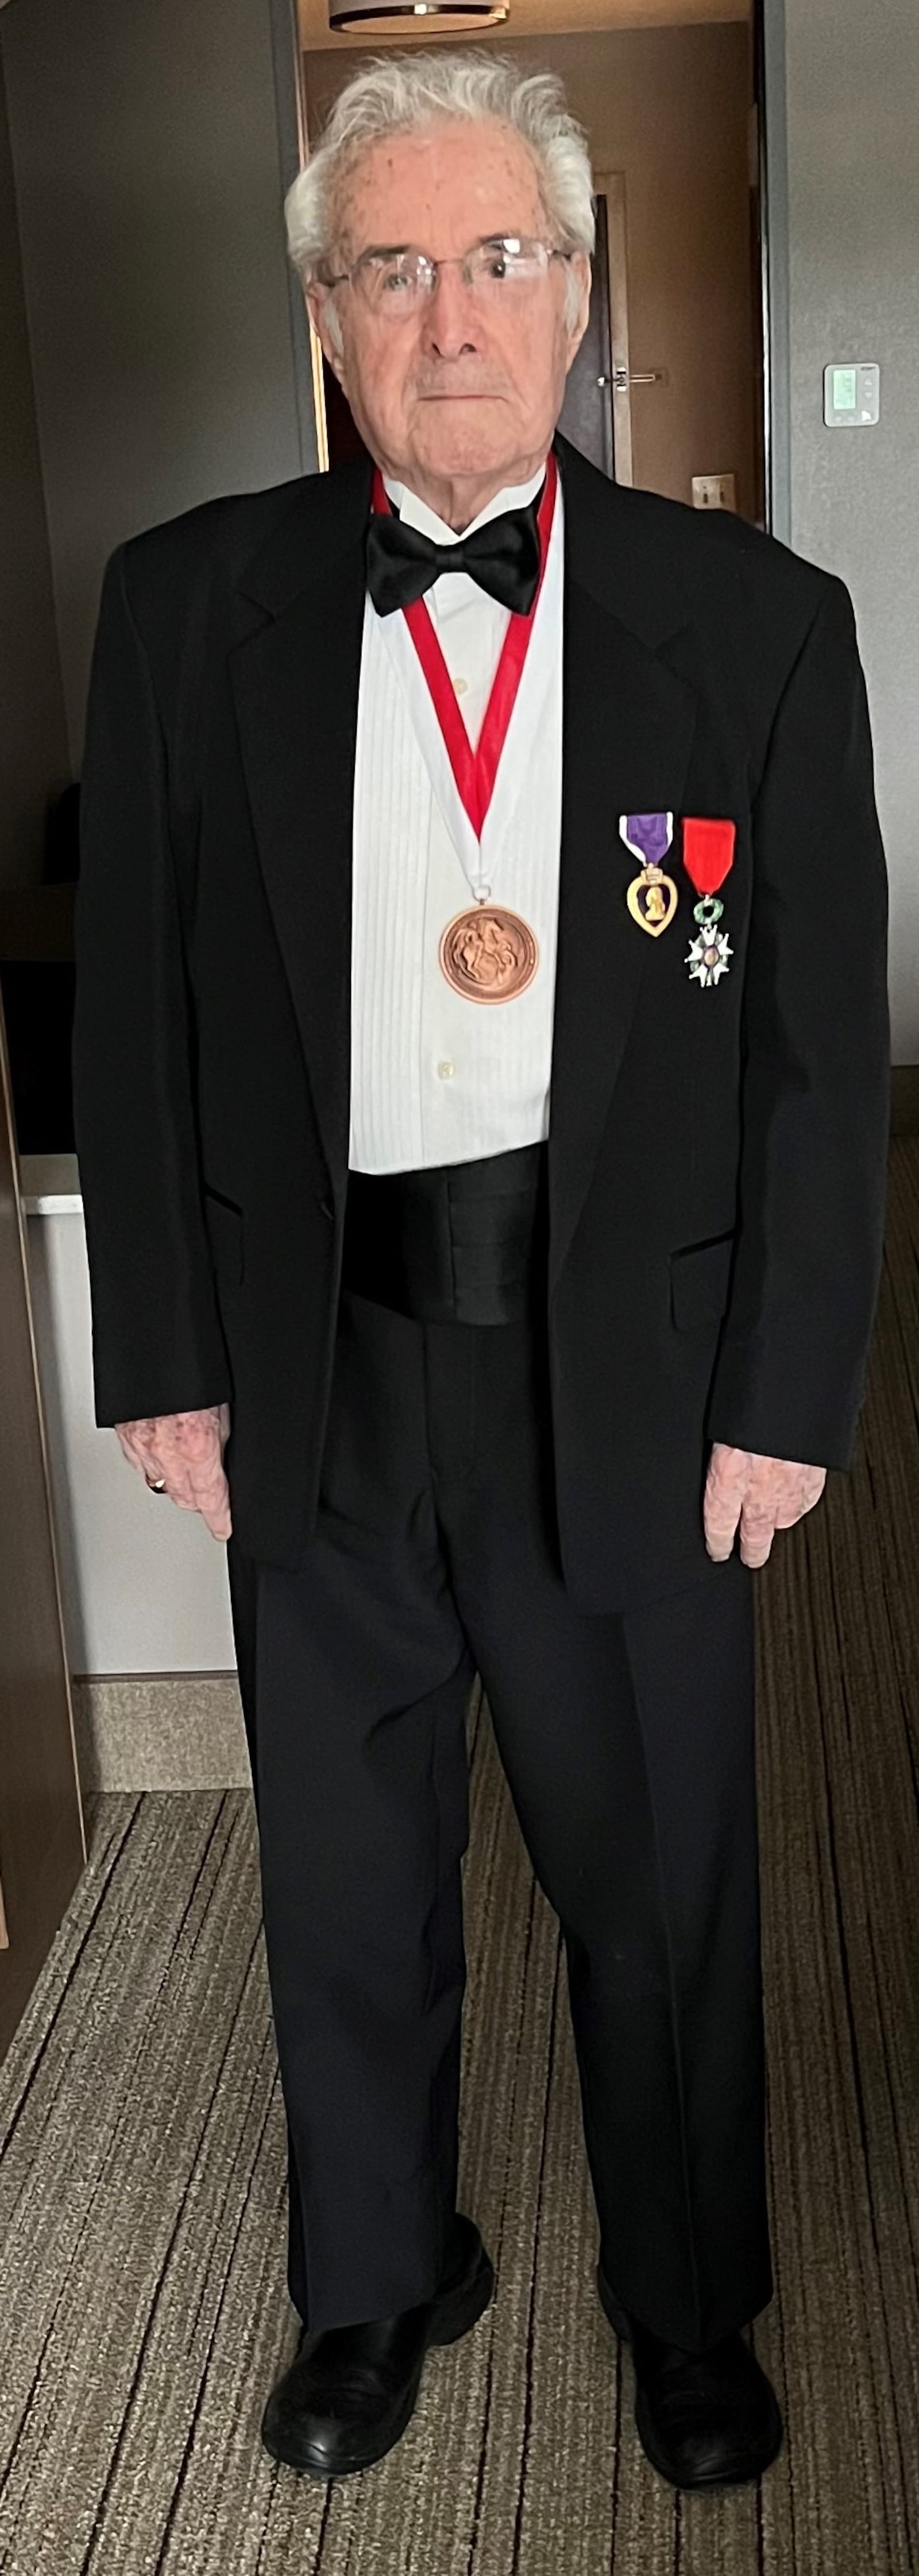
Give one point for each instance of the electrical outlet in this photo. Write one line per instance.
(714, 492)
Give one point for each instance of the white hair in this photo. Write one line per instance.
(402, 94)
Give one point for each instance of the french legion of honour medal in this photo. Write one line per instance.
(652, 898)
(708, 856)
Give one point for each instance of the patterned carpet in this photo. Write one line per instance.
(143, 2312)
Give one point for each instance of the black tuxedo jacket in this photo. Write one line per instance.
(716, 1156)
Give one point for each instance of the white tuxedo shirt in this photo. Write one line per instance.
(436, 1078)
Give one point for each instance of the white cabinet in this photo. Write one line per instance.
(144, 1585)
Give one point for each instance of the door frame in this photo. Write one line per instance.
(293, 152)
(43, 1846)
(770, 99)
(610, 184)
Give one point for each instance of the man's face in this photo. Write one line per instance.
(456, 393)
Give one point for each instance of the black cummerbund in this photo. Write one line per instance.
(463, 1243)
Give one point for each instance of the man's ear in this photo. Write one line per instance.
(325, 323)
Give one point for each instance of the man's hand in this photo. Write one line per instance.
(762, 1494)
(187, 1450)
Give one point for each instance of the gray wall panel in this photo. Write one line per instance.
(148, 176)
(853, 170)
(33, 739)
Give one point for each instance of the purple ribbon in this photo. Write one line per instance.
(649, 833)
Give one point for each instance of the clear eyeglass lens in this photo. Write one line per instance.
(402, 279)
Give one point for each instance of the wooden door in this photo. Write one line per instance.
(42, 1841)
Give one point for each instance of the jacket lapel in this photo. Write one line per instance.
(295, 685)
(628, 727)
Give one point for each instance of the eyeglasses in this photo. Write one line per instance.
(498, 271)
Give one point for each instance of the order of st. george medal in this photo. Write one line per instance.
(488, 954)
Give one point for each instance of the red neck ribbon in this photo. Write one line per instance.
(475, 770)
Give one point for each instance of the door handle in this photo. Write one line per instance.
(621, 379)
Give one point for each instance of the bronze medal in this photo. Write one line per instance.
(488, 954)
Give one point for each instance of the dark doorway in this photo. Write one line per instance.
(344, 437)
(587, 412)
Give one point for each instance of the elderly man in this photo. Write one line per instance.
(481, 1073)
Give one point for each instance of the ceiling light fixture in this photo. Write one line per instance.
(444, 16)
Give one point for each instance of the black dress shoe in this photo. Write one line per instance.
(350, 2391)
(704, 2419)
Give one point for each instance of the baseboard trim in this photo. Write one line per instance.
(160, 1731)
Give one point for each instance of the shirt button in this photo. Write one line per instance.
(461, 687)
(445, 1069)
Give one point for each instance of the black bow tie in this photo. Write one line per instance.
(503, 557)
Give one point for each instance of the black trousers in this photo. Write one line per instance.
(628, 1744)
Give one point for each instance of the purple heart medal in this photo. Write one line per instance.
(652, 898)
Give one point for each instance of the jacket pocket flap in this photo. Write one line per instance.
(699, 1280)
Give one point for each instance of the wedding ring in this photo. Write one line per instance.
(157, 1484)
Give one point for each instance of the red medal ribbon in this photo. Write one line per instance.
(475, 770)
(708, 851)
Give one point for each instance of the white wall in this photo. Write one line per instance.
(853, 152)
(148, 172)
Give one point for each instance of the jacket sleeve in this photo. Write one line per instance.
(157, 1341)
(791, 1367)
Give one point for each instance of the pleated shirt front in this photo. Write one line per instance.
(437, 1078)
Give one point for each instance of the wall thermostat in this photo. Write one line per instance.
(851, 396)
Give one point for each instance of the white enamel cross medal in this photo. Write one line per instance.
(708, 857)
(652, 897)
(709, 952)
